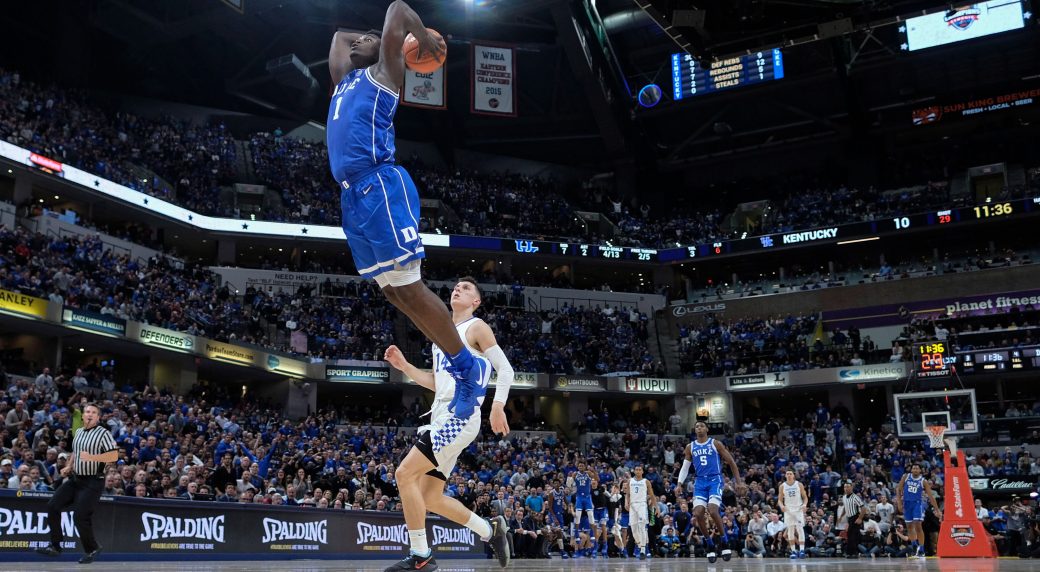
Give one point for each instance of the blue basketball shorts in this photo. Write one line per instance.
(582, 503)
(913, 511)
(707, 490)
(381, 220)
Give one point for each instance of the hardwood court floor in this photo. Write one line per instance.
(555, 564)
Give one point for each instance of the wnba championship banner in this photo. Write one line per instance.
(424, 89)
(494, 80)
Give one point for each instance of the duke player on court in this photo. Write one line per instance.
(793, 502)
(379, 202)
(911, 494)
(706, 456)
(584, 481)
(441, 441)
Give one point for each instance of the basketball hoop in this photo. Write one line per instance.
(935, 436)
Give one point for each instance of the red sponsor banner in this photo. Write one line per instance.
(45, 162)
(967, 108)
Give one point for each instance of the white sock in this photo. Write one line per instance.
(417, 538)
(479, 526)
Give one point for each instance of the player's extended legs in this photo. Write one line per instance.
(720, 532)
(428, 313)
(409, 484)
(437, 502)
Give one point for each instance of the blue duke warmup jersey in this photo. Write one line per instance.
(582, 485)
(913, 489)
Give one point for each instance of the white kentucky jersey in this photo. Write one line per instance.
(445, 383)
(792, 497)
(637, 490)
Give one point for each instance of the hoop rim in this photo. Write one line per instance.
(935, 435)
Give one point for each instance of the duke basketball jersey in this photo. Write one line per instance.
(706, 462)
(360, 126)
(913, 489)
(582, 485)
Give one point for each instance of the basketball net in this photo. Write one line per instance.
(936, 438)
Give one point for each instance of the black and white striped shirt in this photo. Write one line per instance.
(96, 441)
(851, 504)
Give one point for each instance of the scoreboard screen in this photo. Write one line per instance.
(931, 358)
(690, 77)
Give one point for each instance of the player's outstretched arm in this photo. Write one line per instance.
(339, 55)
(396, 358)
(685, 470)
(400, 21)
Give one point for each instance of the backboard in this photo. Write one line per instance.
(956, 409)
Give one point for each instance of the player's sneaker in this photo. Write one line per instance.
(564, 555)
(801, 554)
(712, 557)
(794, 556)
(726, 554)
(413, 562)
(642, 554)
(466, 385)
(498, 541)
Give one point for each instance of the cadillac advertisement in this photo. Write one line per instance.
(213, 531)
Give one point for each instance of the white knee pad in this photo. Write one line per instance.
(400, 275)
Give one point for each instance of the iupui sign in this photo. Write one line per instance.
(649, 385)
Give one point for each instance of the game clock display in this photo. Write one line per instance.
(931, 362)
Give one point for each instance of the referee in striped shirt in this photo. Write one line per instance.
(851, 505)
(92, 448)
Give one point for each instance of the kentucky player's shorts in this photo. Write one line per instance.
(601, 515)
(582, 503)
(444, 439)
(707, 490)
(794, 517)
(913, 511)
(381, 219)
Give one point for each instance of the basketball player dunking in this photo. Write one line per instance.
(379, 202)
(706, 455)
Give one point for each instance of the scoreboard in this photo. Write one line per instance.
(690, 77)
(931, 360)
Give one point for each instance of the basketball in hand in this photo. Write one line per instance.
(425, 62)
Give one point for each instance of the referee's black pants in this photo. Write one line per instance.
(82, 494)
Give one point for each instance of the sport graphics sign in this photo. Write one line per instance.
(357, 373)
(775, 380)
(184, 529)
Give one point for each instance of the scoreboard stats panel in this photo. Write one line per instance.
(690, 77)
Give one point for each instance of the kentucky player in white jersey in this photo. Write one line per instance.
(793, 502)
(441, 441)
(706, 456)
(636, 492)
